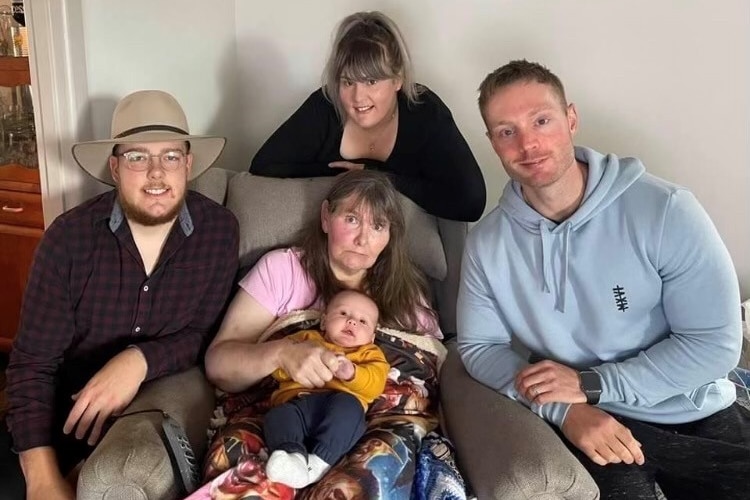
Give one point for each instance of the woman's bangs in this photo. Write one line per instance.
(375, 204)
(365, 61)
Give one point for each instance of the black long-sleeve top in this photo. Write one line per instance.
(431, 162)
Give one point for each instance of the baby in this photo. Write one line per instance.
(309, 430)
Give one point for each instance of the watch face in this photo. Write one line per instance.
(591, 381)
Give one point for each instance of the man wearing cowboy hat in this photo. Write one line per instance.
(124, 289)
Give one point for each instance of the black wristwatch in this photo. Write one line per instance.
(591, 385)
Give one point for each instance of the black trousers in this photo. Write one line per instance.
(707, 459)
(327, 424)
(69, 450)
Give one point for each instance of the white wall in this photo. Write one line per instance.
(186, 47)
(666, 81)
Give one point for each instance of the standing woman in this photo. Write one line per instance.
(370, 114)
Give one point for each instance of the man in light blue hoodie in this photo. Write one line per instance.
(619, 285)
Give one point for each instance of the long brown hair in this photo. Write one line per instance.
(394, 282)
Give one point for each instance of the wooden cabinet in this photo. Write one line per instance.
(14, 71)
(21, 220)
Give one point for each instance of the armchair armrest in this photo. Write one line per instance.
(130, 461)
(503, 449)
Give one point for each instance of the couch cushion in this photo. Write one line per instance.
(212, 183)
(270, 211)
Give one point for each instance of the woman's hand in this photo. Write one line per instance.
(347, 165)
(307, 363)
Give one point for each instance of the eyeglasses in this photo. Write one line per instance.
(139, 161)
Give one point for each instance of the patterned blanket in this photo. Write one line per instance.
(437, 477)
(384, 464)
(741, 379)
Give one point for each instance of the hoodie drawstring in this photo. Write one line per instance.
(547, 263)
(560, 302)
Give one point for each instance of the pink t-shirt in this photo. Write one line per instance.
(280, 284)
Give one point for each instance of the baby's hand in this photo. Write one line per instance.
(345, 370)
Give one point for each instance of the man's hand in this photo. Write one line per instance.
(346, 165)
(307, 363)
(108, 392)
(550, 382)
(600, 436)
(345, 369)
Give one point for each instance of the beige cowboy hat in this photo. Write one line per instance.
(147, 116)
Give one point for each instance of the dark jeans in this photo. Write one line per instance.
(706, 459)
(327, 424)
(69, 450)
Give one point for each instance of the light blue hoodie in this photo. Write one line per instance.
(636, 284)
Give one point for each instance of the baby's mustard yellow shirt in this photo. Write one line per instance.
(370, 372)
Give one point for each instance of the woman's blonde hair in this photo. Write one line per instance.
(394, 282)
(368, 46)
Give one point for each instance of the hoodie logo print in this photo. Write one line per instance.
(621, 301)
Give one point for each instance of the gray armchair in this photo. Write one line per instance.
(131, 461)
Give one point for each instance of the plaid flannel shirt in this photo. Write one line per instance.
(88, 298)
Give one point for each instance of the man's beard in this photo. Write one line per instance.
(135, 214)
